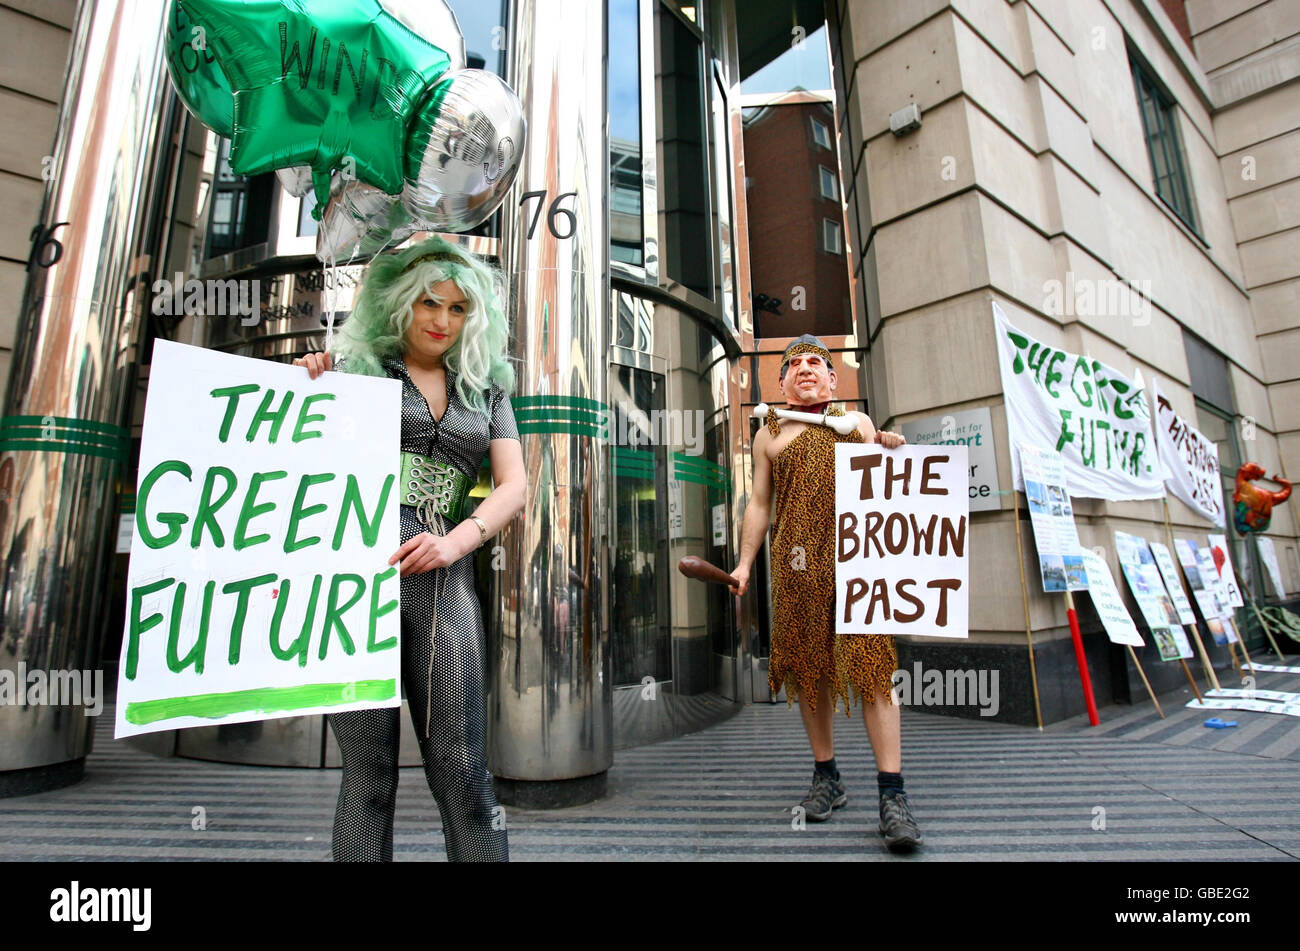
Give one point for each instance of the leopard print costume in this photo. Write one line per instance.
(805, 647)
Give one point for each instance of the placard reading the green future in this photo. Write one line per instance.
(266, 512)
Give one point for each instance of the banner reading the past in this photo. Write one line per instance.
(266, 512)
(1091, 414)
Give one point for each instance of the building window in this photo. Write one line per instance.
(1159, 123)
(623, 89)
(829, 187)
(821, 134)
(830, 236)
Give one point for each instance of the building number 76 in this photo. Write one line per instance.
(551, 215)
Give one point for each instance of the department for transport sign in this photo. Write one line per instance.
(266, 512)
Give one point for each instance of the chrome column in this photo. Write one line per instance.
(63, 440)
(550, 705)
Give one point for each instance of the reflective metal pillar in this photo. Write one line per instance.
(550, 707)
(63, 438)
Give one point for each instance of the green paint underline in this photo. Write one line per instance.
(258, 700)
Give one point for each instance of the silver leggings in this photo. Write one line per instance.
(444, 691)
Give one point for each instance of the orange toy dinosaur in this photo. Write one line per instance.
(1253, 505)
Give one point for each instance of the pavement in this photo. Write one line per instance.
(1137, 787)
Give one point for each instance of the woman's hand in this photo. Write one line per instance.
(889, 440)
(427, 551)
(316, 364)
(741, 576)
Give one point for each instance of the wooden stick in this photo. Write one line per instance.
(1132, 653)
(1190, 680)
(1232, 652)
(1024, 600)
(1264, 624)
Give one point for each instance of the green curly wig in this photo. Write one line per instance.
(382, 313)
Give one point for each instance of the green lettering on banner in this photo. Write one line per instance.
(376, 612)
(1020, 342)
(1052, 376)
(265, 414)
(298, 513)
(1085, 398)
(352, 500)
(1066, 435)
(208, 508)
(232, 393)
(304, 419)
(258, 700)
(244, 588)
(138, 626)
(334, 613)
(251, 510)
(198, 652)
(302, 641)
(173, 520)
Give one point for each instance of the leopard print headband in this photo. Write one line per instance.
(799, 348)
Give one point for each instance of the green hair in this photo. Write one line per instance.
(382, 312)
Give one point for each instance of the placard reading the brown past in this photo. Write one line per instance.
(902, 530)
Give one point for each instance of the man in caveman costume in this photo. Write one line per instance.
(794, 464)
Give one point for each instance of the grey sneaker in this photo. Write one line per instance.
(897, 825)
(824, 795)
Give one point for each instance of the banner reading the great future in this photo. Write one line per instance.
(1191, 461)
(901, 527)
(1091, 414)
(266, 512)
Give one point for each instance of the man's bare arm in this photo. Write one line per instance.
(758, 513)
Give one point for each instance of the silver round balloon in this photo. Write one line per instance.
(296, 179)
(432, 20)
(359, 221)
(468, 154)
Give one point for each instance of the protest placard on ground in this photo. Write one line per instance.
(1105, 598)
(1173, 584)
(1157, 607)
(1060, 558)
(1268, 557)
(901, 518)
(266, 512)
(1221, 554)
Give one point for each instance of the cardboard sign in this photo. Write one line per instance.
(1222, 555)
(266, 512)
(1060, 558)
(1105, 598)
(902, 532)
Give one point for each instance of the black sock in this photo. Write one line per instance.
(827, 768)
(890, 784)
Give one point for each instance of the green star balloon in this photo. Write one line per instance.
(199, 80)
(330, 84)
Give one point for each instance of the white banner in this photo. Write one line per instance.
(1191, 461)
(1091, 414)
(902, 527)
(1105, 598)
(266, 512)
(1268, 557)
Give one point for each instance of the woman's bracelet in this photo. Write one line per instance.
(482, 529)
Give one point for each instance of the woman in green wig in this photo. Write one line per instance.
(431, 316)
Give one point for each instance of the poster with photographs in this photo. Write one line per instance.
(1210, 597)
(1173, 584)
(1060, 556)
(1157, 607)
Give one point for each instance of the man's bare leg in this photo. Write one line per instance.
(884, 730)
(820, 726)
